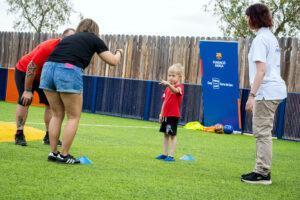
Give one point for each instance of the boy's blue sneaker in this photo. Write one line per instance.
(161, 157)
(169, 159)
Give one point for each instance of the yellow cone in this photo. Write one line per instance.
(8, 131)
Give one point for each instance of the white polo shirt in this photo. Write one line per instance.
(265, 48)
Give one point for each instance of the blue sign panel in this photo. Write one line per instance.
(3, 83)
(220, 83)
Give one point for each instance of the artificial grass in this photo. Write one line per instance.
(124, 166)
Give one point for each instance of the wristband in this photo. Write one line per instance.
(118, 50)
(252, 95)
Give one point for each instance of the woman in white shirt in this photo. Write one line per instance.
(267, 89)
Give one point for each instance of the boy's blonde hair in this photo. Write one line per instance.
(177, 68)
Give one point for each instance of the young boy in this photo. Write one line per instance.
(170, 111)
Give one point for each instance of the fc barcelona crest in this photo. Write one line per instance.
(219, 56)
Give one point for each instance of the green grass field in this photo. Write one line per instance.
(124, 166)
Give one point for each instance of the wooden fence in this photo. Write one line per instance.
(148, 57)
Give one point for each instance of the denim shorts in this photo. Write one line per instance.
(62, 77)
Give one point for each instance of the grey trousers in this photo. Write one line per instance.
(263, 118)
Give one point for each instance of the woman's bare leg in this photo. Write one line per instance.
(58, 113)
(73, 106)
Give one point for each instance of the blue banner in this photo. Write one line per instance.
(3, 82)
(220, 83)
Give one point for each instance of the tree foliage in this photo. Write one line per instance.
(285, 13)
(40, 15)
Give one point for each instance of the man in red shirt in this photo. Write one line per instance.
(170, 111)
(36, 58)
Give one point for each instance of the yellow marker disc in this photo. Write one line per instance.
(8, 131)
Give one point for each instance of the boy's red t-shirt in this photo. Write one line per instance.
(38, 55)
(172, 102)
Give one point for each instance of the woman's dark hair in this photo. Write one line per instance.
(259, 16)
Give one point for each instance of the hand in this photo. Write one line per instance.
(249, 104)
(26, 98)
(160, 118)
(119, 50)
(163, 82)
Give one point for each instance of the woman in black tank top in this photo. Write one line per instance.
(62, 83)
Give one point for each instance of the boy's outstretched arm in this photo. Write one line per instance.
(172, 88)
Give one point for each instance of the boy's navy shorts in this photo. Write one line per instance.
(169, 125)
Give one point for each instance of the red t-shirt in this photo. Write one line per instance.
(38, 55)
(172, 102)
